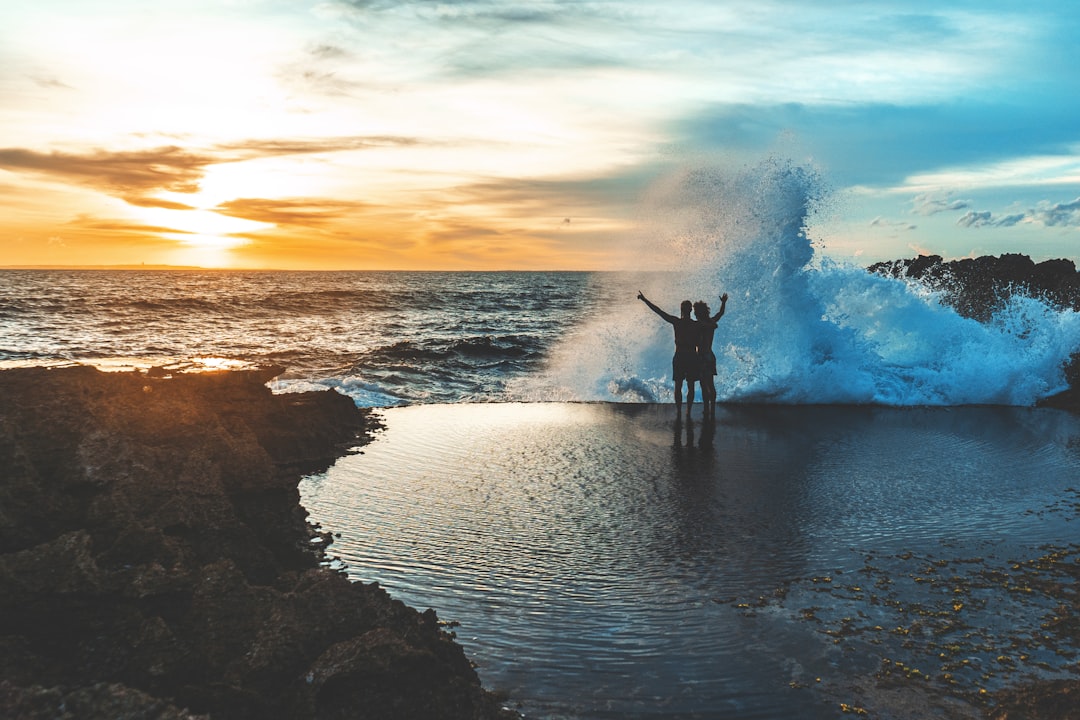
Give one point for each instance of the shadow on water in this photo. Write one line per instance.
(609, 560)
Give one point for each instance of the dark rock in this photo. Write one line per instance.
(978, 287)
(155, 561)
(112, 701)
(1041, 700)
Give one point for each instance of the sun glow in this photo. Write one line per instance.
(200, 227)
(265, 178)
(222, 242)
(208, 252)
(204, 238)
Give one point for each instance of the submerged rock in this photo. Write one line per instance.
(155, 561)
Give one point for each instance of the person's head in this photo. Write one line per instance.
(686, 307)
(701, 309)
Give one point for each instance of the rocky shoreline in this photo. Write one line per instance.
(155, 561)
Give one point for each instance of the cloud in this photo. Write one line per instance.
(467, 39)
(1010, 220)
(1048, 214)
(252, 149)
(562, 197)
(134, 176)
(49, 82)
(301, 212)
(1058, 214)
(893, 224)
(470, 12)
(86, 222)
(929, 204)
(152, 202)
(909, 148)
(122, 173)
(326, 69)
(976, 219)
(327, 51)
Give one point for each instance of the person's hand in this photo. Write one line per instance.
(723, 298)
(640, 296)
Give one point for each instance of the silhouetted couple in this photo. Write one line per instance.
(694, 359)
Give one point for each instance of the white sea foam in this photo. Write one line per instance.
(799, 328)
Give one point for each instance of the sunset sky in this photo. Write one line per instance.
(488, 135)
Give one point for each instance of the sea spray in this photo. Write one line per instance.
(800, 327)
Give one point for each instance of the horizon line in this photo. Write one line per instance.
(159, 266)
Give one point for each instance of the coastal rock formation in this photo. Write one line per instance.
(978, 287)
(155, 561)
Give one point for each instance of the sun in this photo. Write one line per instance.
(203, 237)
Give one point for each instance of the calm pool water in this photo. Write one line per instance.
(607, 561)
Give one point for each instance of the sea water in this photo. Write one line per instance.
(603, 560)
(799, 327)
(381, 338)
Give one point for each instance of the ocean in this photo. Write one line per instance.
(800, 328)
(824, 335)
(384, 339)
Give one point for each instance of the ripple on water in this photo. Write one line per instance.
(593, 553)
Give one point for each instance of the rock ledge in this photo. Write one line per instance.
(155, 561)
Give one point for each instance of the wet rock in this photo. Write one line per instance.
(979, 287)
(1046, 700)
(155, 561)
(101, 700)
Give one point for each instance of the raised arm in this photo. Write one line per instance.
(658, 311)
(723, 306)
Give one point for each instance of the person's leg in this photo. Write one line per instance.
(708, 395)
(708, 384)
(678, 375)
(689, 396)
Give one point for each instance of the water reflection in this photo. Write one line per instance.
(595, 553)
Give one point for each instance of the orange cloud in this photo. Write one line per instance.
(121, 227)
(120, 173)
(491, 224)
(152, 202)
(298, 211)
(134, 176)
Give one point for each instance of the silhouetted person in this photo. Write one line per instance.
(706, 327)
(685, 363)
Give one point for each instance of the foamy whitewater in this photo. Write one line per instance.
(802, 329)
(799, 328)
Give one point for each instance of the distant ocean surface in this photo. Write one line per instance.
(382, 338)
